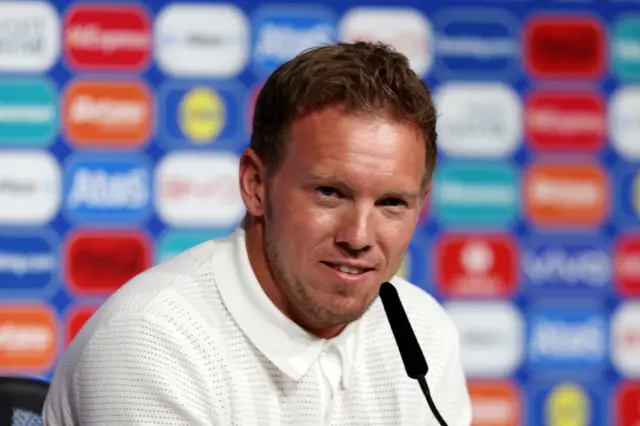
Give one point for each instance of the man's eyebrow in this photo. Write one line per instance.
(402, 193)
(329, 179)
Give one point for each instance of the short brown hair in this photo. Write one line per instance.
(361, 77)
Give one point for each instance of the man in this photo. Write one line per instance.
(280, 323)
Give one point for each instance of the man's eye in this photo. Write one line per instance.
(327, 191)
(393, 202)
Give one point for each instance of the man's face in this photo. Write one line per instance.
(341, 211)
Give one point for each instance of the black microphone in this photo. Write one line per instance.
(414, 362)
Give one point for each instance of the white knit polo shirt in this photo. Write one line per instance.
(195, 341)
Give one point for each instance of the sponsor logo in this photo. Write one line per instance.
(625, 342)
(570, 46)
(108, 189)
(567, 339)
(476, 265)
(478, 120)
(76, 319)
(566, 121)
(30, 183)
(570, 264)
(102, 37)
(202, 40)
(476, 195)
(495, 403)
(624, 122)
(28, 263)
(173, 243)
(28, 113)
(98, 262)
(281, 33)
(625, 49)
(199, 190)
(28, 338)
(108, 114)
(626, 265)
(201, 115)
(404, 28)
(566, 403)
(627, 404)
(29, 36)
(566, 195)
(476, 43)
(491, 336)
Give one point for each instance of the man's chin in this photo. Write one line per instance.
(343, 311)
(331, 306)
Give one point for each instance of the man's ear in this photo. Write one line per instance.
(426, 189)
(252, 182)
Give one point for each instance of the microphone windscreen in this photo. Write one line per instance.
(414, 362)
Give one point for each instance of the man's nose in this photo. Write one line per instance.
(355, 232)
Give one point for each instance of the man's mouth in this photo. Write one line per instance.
(353, 270)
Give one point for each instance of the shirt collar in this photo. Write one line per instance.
(287, 345)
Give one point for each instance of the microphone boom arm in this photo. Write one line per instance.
(427, 394)
(414, 362)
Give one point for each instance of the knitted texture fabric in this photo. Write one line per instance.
(165, 350)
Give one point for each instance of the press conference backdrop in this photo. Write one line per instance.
(120, 130)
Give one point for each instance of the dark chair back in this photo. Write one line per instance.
(21, 401)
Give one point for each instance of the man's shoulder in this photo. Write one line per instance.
(161, 305)
(182, 281)
(178, 275)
